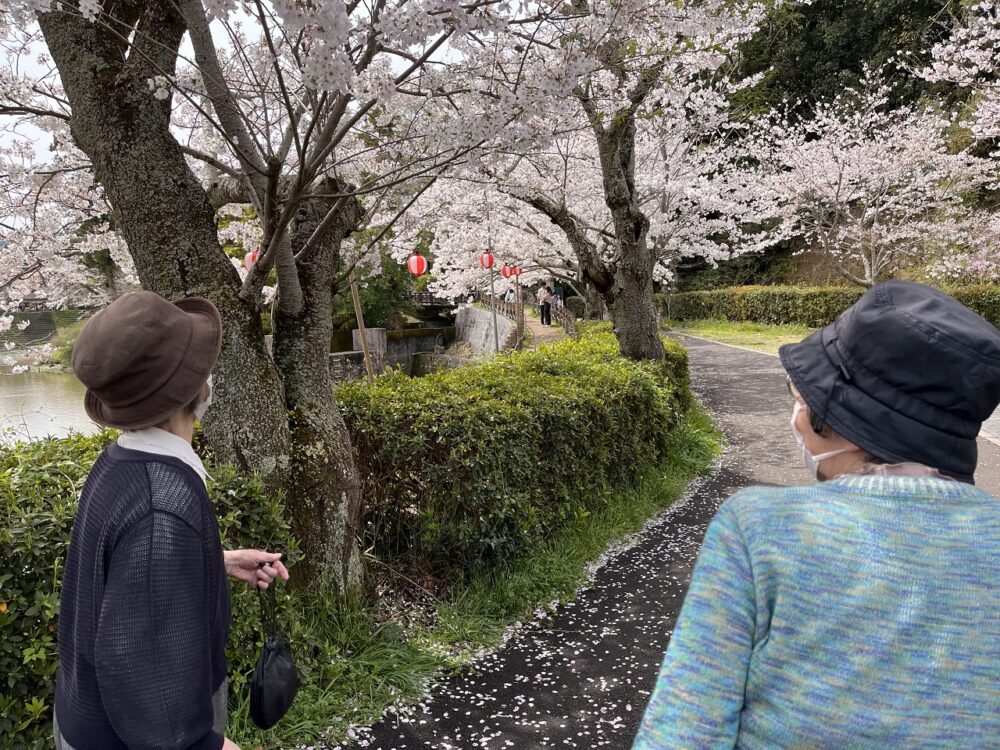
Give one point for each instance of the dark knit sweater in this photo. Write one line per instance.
(144, 613)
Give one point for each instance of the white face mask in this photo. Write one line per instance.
(200, 409)
(812, 462)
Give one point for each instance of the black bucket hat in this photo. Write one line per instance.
(907, 373)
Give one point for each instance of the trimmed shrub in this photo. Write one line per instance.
(660, 303)
(40, 483)
(984, 299)
(576, 305)
(814, 307)
(809, 306)
(470, 465)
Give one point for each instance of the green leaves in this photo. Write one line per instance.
(808, 306)
(469, 466)
(39, 482)
(460, 469)
(39, 488)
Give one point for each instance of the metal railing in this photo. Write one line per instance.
(511, 311)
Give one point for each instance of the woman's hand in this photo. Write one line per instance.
(246, 565)
(228, 744)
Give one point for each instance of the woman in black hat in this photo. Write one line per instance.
(860, 612)
(144, 609)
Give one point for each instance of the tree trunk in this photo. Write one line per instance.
(166, 220)
(632, 308)
(633, 315)
(325, 496)
(169, 225)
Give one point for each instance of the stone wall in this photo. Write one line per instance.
(377, 346)
(392, 348)
(345, 366)
(42, 325)
(403, 345)
(475, 326)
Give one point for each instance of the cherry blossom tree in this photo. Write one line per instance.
(871, 186)
(546, 209)
(648, 64)
(311, 115)
(969, 58)
(55, 219)
(975, 259)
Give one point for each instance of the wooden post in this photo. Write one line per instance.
(519, 310)
(493, 300)
(361, 327)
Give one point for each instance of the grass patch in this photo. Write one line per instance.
(527, 338)
(759, 336)
(63, 342)
(361, 662)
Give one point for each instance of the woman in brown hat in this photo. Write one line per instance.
(145, 609)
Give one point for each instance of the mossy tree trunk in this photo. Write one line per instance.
(279, 421)
(326, 503)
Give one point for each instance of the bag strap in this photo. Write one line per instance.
(268, 609)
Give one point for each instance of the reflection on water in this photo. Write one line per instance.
(39, 404)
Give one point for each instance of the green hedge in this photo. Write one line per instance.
(576, 305)
(809, 306)
(39, 485)
(984, 299)
(469, 465)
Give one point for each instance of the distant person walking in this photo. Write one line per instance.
(545, 305)
(144, 609)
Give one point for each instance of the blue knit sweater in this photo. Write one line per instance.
(144, 611)
(855, 614)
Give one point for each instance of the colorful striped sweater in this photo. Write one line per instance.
(859, 613)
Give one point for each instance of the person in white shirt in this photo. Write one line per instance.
(545, 304)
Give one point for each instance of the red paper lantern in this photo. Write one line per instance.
(518, 270)
(507, 271)
(417, 264)
(250, 258)
(486, 259)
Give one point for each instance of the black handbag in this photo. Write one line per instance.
(275, 679)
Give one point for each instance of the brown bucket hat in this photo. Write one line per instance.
(143, 358)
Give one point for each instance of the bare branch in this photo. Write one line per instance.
(211, 161)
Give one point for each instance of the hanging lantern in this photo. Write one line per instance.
(507, 271)
(417, 264)
(250, 258)
(486, 260)
(518, 270)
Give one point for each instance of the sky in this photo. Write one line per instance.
(28, 64)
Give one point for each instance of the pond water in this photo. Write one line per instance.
(39, 404)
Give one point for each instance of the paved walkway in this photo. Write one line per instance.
(582, 679)
(709, 363)
(543, 334)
